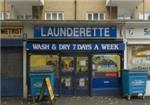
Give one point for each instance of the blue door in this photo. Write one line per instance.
(74, 73)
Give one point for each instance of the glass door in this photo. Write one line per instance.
(82, 75)
(67, 74)
(74, 73)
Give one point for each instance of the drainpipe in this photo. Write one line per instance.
(4, 9)
(75, 9)
(110, 9)
(25, 91)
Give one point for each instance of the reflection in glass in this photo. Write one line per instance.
(106, 63)
(67, 64)
(82, 64)
(44, 63)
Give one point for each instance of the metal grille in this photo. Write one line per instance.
(11, 71)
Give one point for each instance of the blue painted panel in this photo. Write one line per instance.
(75, 32)
(106, 83)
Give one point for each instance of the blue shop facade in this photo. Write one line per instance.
(84, 60)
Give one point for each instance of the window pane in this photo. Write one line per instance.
(140, 58)
(54, 16)
(1, 15)
(95, 16)
(89, 16)
(106, 63)
(6, 15)
(44, 63)
(67, 64)
(82, 64)
(60, 16)
(101, 16)
(48, 16)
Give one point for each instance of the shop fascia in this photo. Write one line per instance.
(75, 32)
(138, 32)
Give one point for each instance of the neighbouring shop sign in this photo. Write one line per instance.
(138, 32)
(75, 32)
(74, 46)
(11, 32)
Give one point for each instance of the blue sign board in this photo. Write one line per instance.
(75, 32)
(74, 46)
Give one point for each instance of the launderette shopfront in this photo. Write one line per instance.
(85, 60)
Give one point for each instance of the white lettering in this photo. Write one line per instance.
(50, 32)
(84, 47)
(69, 32)
(106, 32)
(94, 29)
(53, 47)
(82, 32)
(88, 32)
(96, 47)
(40, 46)
(63, 32)
(42, 33)
(110, 46)
(64, 46)
(100, 32)
(76, 30)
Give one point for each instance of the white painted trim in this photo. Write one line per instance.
(146, 42)
(125, 56)
(148, 88)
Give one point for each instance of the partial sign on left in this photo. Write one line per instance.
(11, 32)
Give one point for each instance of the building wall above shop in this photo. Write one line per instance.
(114, 9)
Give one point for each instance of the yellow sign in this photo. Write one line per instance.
(49, 87)
(47, 84)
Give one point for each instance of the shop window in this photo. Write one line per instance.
(82, 64)
(106, 63)
(67, 64)
(95, 16)
(42, 63)
(141, 58)
(54, 16)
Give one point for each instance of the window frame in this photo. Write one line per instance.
(51, 17)
(4, 13)
(92, 13)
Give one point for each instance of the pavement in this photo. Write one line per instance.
(85, 100)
